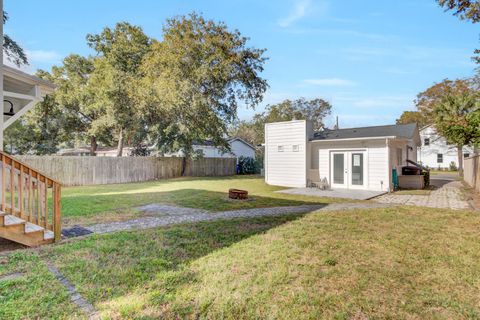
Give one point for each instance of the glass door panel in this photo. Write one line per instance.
(357, 169)
(338, 168)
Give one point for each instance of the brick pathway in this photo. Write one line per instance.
(163, 215)
(448, 196)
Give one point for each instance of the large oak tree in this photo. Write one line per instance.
(195, 80)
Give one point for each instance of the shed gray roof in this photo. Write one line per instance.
(398, 130)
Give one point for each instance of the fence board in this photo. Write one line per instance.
(78, 170)
(471, 172)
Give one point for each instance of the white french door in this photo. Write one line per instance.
(347, 169)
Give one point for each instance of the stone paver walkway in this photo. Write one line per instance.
(448, 196)
(163, 215)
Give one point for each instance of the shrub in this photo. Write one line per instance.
(246, 165)
(453, 166)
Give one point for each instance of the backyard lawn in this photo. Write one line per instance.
(109, 202)
(393, 263)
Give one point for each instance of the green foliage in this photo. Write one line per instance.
(454, 114)
(195, 80)
(136, 90)
(76, 93)
(465, 9)
(38, 131)
(117, 69)
(452, 166)
(453, 120)
(413, 117)
(247, 165)
(428, 99)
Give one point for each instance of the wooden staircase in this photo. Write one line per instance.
(29, 204)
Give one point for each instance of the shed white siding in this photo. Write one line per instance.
(377, 177)
(286, 153)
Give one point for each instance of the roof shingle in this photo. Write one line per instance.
(399, 130)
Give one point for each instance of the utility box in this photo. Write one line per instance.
(411, 182)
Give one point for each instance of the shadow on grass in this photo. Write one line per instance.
(109, 269)
(93, 204)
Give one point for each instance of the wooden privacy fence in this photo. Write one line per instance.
(471, 172)
(78, 170)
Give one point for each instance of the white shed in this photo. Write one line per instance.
(354, 158)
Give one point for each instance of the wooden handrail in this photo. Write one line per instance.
(27, 191)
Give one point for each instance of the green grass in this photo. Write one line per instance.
(204, 193)
(378, 263)
(34, 295)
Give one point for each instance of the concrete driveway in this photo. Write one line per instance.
(448, 194)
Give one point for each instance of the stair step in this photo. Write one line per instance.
(10, 220)
(30, 228)
(48, 235)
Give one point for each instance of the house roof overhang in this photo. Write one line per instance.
(17, 81)
(21, 92)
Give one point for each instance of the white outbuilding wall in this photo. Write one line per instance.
(376, 160)
(286, 153)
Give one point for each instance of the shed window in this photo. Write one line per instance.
(280, 148)
(466, 155)
(296, 148)
(439, 158)
(426, 141)
(399, 157)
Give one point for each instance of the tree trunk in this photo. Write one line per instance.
(120, 144)
(93, 146)
(184, 164)
(460, 160)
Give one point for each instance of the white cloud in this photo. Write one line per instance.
(298, 12)
(331, 82)
(43, 56)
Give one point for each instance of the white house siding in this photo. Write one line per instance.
(288, 167)
(240, 149)
(427, 154)
(375, 160)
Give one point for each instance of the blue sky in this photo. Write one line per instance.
(368, 58)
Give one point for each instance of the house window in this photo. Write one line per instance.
(296, 148)
(439, 158)
(426, 141)
(466, 155)
(399, 157)
(280, 148)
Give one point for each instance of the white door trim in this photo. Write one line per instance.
(347, 178)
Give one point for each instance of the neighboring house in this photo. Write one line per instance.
(238, 148)
(354, 158)
(434, 151)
